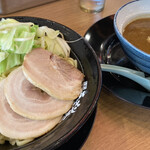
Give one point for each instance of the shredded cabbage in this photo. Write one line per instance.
(18, 39)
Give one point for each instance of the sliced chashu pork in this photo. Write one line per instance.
(53, 74)
(15, 126)
(29, 101)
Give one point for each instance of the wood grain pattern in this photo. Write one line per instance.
(118, 125)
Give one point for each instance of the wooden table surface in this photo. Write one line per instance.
(118, 125)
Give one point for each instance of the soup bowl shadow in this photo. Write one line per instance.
(127, 13)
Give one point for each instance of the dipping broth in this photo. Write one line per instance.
(138, 33)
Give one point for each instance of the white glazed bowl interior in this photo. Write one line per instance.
(131, 11)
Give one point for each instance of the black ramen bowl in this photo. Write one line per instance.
(84, 105)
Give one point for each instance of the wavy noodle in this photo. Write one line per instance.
(14, 141)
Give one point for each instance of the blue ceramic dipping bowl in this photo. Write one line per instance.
(127, 13)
